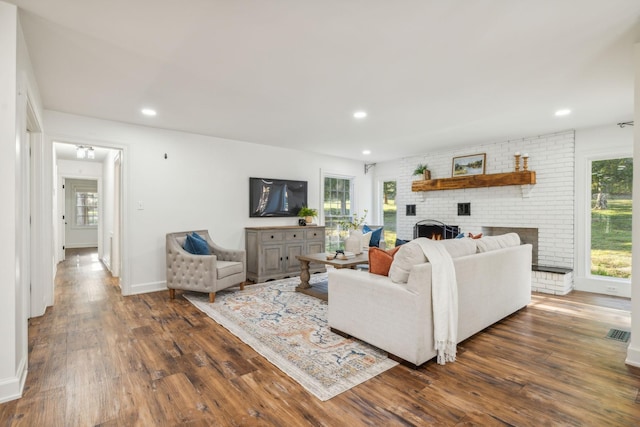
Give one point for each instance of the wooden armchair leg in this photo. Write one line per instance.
(212, 297)
(172, 294)
(242, 286)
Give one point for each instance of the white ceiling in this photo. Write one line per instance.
(430, 73)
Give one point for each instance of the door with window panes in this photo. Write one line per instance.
(337, 207)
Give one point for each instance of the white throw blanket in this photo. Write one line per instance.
(444, 299)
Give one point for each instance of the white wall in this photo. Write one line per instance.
(18, 90)
(633, 351)
(547, 205)
(9, 328)
(203, 183)
(595, 143)
(79, 237)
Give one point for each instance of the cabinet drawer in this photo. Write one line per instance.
(272, 236)
(294, 235)
(314, 234)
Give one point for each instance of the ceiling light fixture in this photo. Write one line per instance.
(366, 152)
(563, 112)
(83, 152)
(360, 114)
(149, 112)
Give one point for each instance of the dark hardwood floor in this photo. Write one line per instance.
(97, 358)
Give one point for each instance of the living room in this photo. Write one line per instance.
(178, 180)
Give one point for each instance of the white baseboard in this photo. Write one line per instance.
(81, 245)
(633, 356)
(107, 263)
(143, 288)
(11, 388)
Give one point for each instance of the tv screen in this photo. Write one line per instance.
(276, 197)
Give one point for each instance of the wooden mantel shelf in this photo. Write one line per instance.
(476, 181)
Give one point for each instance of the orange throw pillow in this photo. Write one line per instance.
(380, 260)
(475, 236)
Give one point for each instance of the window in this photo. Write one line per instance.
(338, 205)
(389, 213)
(86, 209)
(611, 184)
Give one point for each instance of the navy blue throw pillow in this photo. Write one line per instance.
(400, 242)
(197, 236)
(375, 235)
(196, 246)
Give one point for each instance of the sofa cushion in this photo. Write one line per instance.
(408, 255)
(376, 235)
(380, 260)
(196, 246)
(491, 243)
(459, 247)
(411, 254)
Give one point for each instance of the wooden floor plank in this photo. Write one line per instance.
(98, 358)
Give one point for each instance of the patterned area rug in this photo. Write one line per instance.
(290, 330)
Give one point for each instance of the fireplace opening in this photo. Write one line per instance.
(527, 235)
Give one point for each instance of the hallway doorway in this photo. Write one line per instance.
(88, 201)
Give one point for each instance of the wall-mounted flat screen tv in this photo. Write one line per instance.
(276, 197)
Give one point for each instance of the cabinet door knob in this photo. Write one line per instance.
(294, 235)
(272, 237)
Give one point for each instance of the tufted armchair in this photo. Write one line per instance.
(203, 273)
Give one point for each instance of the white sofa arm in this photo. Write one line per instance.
(387, 315)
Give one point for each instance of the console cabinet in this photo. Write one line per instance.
(272, 251)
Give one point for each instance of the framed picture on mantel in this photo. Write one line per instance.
(468, 165)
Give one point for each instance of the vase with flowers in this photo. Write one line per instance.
(353, 243)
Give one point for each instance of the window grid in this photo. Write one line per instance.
(337, 208)
(86, 214)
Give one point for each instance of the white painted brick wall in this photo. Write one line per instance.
(551, 283)
(548, 205)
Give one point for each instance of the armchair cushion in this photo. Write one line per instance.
(196, 245)
(227, 268)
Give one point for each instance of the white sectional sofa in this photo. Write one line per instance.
(397, 317)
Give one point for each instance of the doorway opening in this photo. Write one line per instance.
(88, 202)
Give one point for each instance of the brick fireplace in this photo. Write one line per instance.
(542, 214)
(547, 279)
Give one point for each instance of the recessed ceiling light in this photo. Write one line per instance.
(360, 114)
(563, 112)
(366, 152)
(149, 112)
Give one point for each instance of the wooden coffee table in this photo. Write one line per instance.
(321, 258)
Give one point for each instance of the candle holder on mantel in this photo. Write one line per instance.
(525, 162)
(517, 156)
